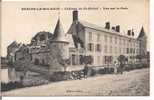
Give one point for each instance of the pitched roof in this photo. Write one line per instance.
(98, 28)
(21, 46)
(42, 32)
(14, 43)
(142, 33)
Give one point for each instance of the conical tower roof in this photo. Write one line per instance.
(59, 35)
(142, 33)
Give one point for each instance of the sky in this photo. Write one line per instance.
(21, 25)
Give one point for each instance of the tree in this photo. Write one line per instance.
(87, 60)
(122, 59)
(65, 63)
(148, 57)
(139, 57)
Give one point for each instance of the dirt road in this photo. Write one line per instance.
(133, 83)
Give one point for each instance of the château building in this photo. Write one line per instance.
(103, 44)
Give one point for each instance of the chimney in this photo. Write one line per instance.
(129, 32)
(113, 28)
(133, 32)
(75, 15)
(117, 28)
(107, 25)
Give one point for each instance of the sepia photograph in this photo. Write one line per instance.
(75, 48)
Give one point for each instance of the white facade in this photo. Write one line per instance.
(104, 45)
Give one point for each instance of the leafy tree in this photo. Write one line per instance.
(122, 59)
(65, 63)
(148, 57)
(139, 57)
(87, 60)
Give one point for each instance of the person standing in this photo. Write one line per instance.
(116, 67)
(121, 67)
(85, 70)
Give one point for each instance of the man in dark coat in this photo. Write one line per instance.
(85, 70)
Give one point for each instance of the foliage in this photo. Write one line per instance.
(109, 59)
(10, 85)
(139, 57)
(122, 59)
(87, 60)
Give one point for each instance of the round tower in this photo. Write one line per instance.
(59, 42)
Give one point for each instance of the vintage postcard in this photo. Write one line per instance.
(75, 48)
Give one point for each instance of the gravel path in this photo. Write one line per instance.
(133, 83)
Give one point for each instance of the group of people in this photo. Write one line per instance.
(118, 68)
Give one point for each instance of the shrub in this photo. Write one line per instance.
(93, 72)
(101, 71)
(10, 85)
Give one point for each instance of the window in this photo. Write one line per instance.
(81, 57)
(137, 51)
(98, 60)
(127, 42)
(120, 50)
(124, 50)
(27, 50)
(105, 38)
(36, 62)
(98, 37)
(115, 40)
(21, 58)
(73, 59)
(31, 57)
(98, 47)
(108, 59)
(127, 50)
(105, 49)
(131, 50)
(90, 47)
(115, 49)
(103, 60)
(43, 62)
(92, 59)
(110, 49)
(137, 44)
(124, 42)
(90, 36)
(119, 40)
(110, 39)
